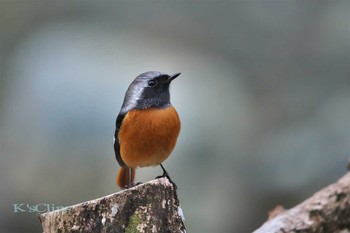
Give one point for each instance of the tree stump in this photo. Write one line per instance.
(149, 207)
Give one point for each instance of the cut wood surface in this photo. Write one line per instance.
(327, 211)
(149, 207)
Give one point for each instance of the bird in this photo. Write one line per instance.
(147, 126)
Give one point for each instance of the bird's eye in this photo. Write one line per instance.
(152, 83)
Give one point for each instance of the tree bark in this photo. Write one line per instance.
(149, 207)
(326, 211)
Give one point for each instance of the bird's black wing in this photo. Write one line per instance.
(118, 123)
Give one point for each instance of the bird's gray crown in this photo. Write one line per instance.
(149, 89)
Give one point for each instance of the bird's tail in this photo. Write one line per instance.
(125, 177)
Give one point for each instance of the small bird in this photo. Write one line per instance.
(147, 126)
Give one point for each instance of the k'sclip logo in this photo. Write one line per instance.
(38, 208)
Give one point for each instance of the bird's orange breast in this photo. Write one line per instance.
(147, 137)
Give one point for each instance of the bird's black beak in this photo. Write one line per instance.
(172, 77)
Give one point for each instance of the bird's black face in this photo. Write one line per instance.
(150, 89)
(156, 92)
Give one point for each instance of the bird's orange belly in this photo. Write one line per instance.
(147, 137)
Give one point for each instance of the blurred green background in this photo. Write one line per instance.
(264, 99)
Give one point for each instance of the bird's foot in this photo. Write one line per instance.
(166, 174)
